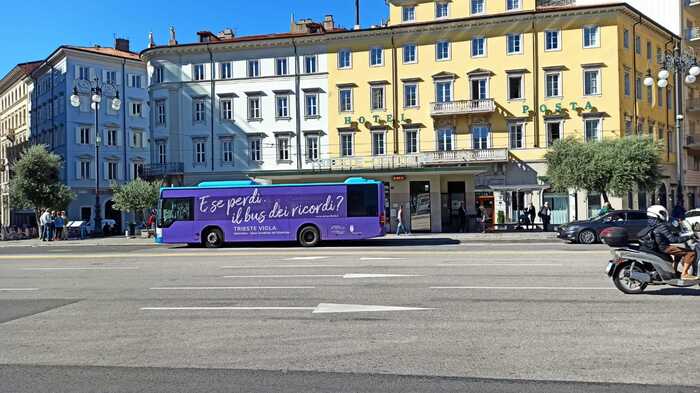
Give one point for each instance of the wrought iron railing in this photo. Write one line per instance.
(162, 170)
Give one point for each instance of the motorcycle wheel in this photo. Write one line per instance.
(624, 283)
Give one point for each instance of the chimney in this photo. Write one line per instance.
(227, 34)
(151, 41)
(357, 15)
(328, 23)
(121, 44)
(172, 40)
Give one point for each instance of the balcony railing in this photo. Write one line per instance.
(152, 171)
(555, 3)
(407, 161)
(691, 3)
(462, 107)
(693, 34)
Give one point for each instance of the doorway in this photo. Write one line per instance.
(486, 199)
(113, 214)
(453, 219)
(420, 206)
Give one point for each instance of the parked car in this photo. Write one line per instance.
(588, 231)
(693, 218)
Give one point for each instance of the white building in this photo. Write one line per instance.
(228, 107)
(123, 135)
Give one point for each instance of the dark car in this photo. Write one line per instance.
(588, 231)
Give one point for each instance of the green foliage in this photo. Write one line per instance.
(36, 184)
(611, 166)
(136, 196)
(501, 217)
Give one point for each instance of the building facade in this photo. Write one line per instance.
(14, 135)
(230, 107)
(123, 136)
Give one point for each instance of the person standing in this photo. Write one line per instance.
(58, 225)
(607, 208)
(65, 226)
(462, 218)
(545, 216)
(678, 212)
(532, 213)
(483, 218)
(400, 226)
(44, 223)
(52, 225)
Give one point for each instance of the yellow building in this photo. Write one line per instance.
(456, 102)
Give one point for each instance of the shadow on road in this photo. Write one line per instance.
(405, 242)
(688, 291)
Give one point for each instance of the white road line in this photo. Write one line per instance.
(223, 308)
(18, 289)
(287, 276)
(222, 288)
(276, 266)
(532, 288)
(499, 264)
(322, 308)
(83, 268)
(305, 258)
(380, 259)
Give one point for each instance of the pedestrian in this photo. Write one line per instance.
(52, 225)
(151, 223)
(483, 218)
(532, 213)
(44, 224)
(607, 208)
(65, 226)
(58, 225)
(401, 227)
(546, 216)
(462, 218)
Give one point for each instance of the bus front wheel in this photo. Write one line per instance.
(309, 236)
(213, 238)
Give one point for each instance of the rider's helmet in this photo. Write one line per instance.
(657, 211)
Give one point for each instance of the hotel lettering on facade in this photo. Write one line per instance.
(451, 103)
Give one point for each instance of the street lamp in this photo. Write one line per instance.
(681, 64)
(96, 90)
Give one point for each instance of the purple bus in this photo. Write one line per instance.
(215, 213)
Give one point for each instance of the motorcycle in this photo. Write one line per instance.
(632, 269)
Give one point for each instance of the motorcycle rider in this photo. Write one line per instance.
(663, 237)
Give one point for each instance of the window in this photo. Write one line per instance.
(346, 144)
(254, 108)
(158, 74)
(176, 209)
(227, 109)
(281, 67)
(378, 143)
(591, 37)
(512, 5)
(84, 170)
(408, 14)
(345, 97)
(638, 45)
(516, 135)
(442, 10)
(410, 95)
(200, 152)
(552, 41)
(112, 168)
(376, 57)
(445, 139)
(83, 73)
(137, 139)
(84, 137)
(514, 44)
(592, 127)
(480, 137)
(554, 132)
(362, 201)
(649, 51)
(161, 117)
(282, 107)
(626, 38)
(553, 84)
(443, 91)
(227, 151)
(377, 98)
(638, 87)
(199, 110)
(411, 141)
(479, 88)
(136, 109)
(112, 137)
(310, 64)
(591, 82)
(478, 7)
(198, 72)
(311, 107)
(312, 149)
(345, 59)
(225, 70)
(515, 87)
(137, 169)
(650, 95)
(253, 68)
(478, 47)
(628, 84)
(256, 149)
(409, 54)
(162, 153)
(442, 50)
(660, 96)
(111, 77)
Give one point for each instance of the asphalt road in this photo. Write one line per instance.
(527, 317)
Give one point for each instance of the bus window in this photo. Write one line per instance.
(176, 209)
(363, 201)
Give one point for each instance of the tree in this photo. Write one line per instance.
(36, 183)
(136, 196)
(610, 167)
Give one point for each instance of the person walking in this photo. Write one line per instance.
(151, 223)
(462, 218)
(545, 216)
(401, 226)
(531, 213)
(483, 218)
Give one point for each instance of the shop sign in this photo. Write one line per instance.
(559, 107)
(398, 178)
(375, 118)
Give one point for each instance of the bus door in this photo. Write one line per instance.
(176, 220)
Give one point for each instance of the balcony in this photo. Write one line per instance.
(462, 107)
(555, 3)
(693, 7)
(693, 104)
(411, 161)
(693, 36)
(692, 142)
(155, 171)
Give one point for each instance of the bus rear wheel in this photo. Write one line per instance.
(213, 238)
(309, 236)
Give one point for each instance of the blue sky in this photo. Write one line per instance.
(38, 27)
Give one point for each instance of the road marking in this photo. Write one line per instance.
(344, 276)
(276, 266)
(18, 289)
(305, 258)
(499, 264)
(83, 268)
(215, 288)
(323, 308)
(380, 259)
(532, 288)
(374, 275)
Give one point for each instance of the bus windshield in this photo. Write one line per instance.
(175, 209)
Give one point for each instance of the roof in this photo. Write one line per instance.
(18, 72)
(29, 67)
(106, 51)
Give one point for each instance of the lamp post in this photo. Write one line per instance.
(96, 98)
(680, 63)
